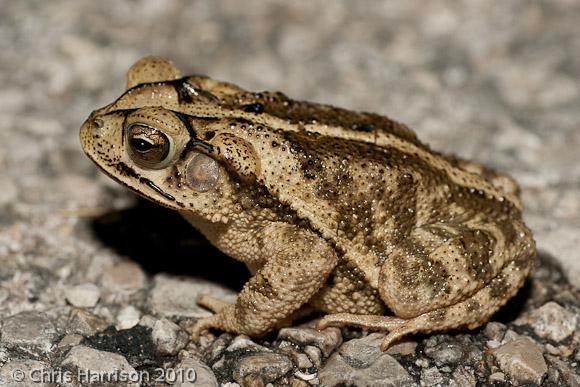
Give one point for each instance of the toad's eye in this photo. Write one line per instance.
(148, 147)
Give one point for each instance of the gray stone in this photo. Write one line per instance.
(168, 337)
(9, 192)
(432, 377)
(25, 373)
(89, 359)
(301, 379)
(560, 350)
(510, 335)
(70, 341)
(494, 331)
(128, 317)
(327, 340)
(522, 360)
(85, 323)
(551, 321)
(463, 377)
(204, 376)
(364, 351)
(360, 362)
(566, 374)
(175, 296)
(217, 347)
(123, 278)
(30, 332)
(314, 354)
(83, 296)
(403, 348)
(245, 343)
(265, 366)
(147, 321)
(445, 353)
(497, 377)
(301, 360)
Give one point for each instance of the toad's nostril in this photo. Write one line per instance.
(97, 123)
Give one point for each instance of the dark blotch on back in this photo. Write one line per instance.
(254, 108)
(363, 127)
(183, 94)
(477, 245)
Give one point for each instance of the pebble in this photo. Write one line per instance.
(246, 343)
(128, 317)
(85, 358)
(510, 335)
(326, 340)
(365, 350)
(446, 352)
(217, 347)
(431, 377)
(522, 360)
(463, 377)
(566, 374)
(403, 348)
(147, 321)
(551, 321)
(11, 372)
(304, 376)
(561, 350)
(302, 360)
(83, 296)
(360, 362)
(30, 332)
(124, 278)
(494, 331)
(168, 337)
(204, 376)
(70, 341)
(497, 377)
(9, 192)
(85, 323)
(267, 366)
(314, 354)
(174, 296)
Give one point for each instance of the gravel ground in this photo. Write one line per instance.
(94, 278)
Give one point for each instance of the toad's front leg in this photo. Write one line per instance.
(297, 265)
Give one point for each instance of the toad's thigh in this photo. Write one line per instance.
(438, 266)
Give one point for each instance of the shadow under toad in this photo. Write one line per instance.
(160, 240)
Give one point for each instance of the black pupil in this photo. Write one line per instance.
(141, 145)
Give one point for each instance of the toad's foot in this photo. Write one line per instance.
(224, 319)
(210, 302)
(397, 327)
(216, 306)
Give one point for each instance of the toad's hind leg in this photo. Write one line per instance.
(469, 313)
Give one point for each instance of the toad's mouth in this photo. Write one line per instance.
(129, 172)
(126, 170)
